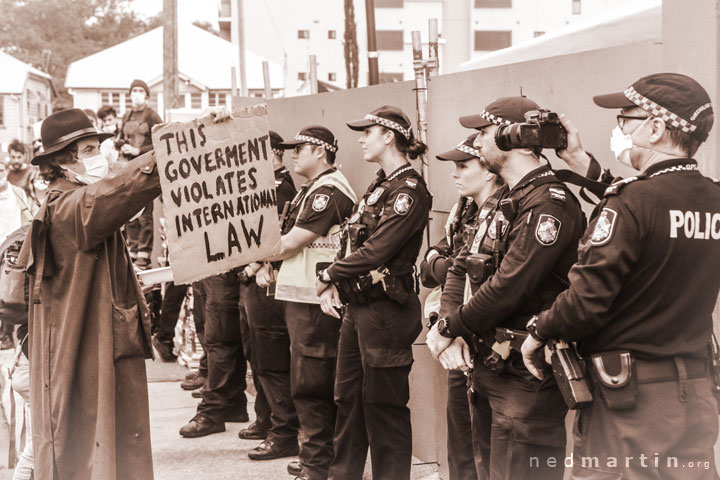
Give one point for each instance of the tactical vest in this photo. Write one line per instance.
(296, 279)
(432, 301)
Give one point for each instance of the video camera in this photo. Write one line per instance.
(542, 129)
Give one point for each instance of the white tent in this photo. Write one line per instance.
(639, 21)
(203, 58)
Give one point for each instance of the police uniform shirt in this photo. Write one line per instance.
(325, 206)
(541, 247)
(647, 276)
(284, 188)
(399, 204)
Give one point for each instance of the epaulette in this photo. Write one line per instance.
(617, 186)
(557, 195)
(411, 183)
(714, 180)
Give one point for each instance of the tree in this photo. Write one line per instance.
(51, 34)
(350, 46)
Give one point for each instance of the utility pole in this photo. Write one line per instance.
(170, 56)
(238, 38)
(266, 79)
(373, 76)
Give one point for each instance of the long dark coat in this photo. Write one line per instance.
(89, 331)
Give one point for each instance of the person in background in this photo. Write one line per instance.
(135, 139)
(23, 175)
(109, 124)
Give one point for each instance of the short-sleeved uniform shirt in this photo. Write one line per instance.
(326, 206)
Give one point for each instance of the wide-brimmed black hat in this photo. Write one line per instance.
(315, 134)
(387, 116)
(463, 152)
(503, 111)
(64, 127)
(678, 99)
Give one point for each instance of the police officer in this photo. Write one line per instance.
(311, 237)
(253, 303)
(475, 184)
(643, 291)
(382, 316)
(518, 263)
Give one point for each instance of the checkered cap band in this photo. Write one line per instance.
(317, 141)
(659, 111)
(494, 118)
(278, 151)
(469, 150)
(405, 132)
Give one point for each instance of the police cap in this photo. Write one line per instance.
(503, 111)
(464, 151)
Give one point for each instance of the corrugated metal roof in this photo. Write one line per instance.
(638, 21)
(203, 58)
(15, 73)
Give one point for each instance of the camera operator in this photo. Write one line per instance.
(518, 263)
(647, 343)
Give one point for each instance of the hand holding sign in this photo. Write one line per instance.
(218, 190)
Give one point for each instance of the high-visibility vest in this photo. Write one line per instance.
(296, 279)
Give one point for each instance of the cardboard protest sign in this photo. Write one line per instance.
(218, 191)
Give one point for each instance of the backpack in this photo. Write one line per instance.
(14, 283)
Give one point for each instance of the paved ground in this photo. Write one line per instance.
(222, 456)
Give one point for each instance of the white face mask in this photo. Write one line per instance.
(95, 169)
(621, 143)
(138, 98)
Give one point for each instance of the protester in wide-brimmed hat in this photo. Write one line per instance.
(89, 324)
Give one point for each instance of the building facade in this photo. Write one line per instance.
(26, 96)
(289, 32)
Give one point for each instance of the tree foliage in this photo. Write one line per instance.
(350, 46)
(51, 34)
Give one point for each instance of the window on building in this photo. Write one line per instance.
(332, 76)
(332, 34)
(225, 9)
(389, 39)
(302, 76)
(389, 3)
(492, 39)
(538, 34)
(304, 34)
(196, 101)
(216, 99)
(110, 98)
(128, 102)
(493, 3)
(390, 77)
(576, 7)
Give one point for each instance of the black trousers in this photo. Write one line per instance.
(170, 311)
(225, 385)
(314, 339)
(199, 321)
(461, 458)
(372, 390)
(262, 408)
(518, 423)
(266, 321)
(140, 234)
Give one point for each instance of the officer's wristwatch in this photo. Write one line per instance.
(531, 327)
(444, 328)
(321, 277)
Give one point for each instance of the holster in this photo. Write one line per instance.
(479, 267)
(398, 287)
(614, 378)
(569, 373)
(357, 233)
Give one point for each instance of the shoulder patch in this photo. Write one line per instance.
(403, 202)
(604, 227)
(547, 230)
(492, 230)
(375, 195)
(320, 202)
(617, 186)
